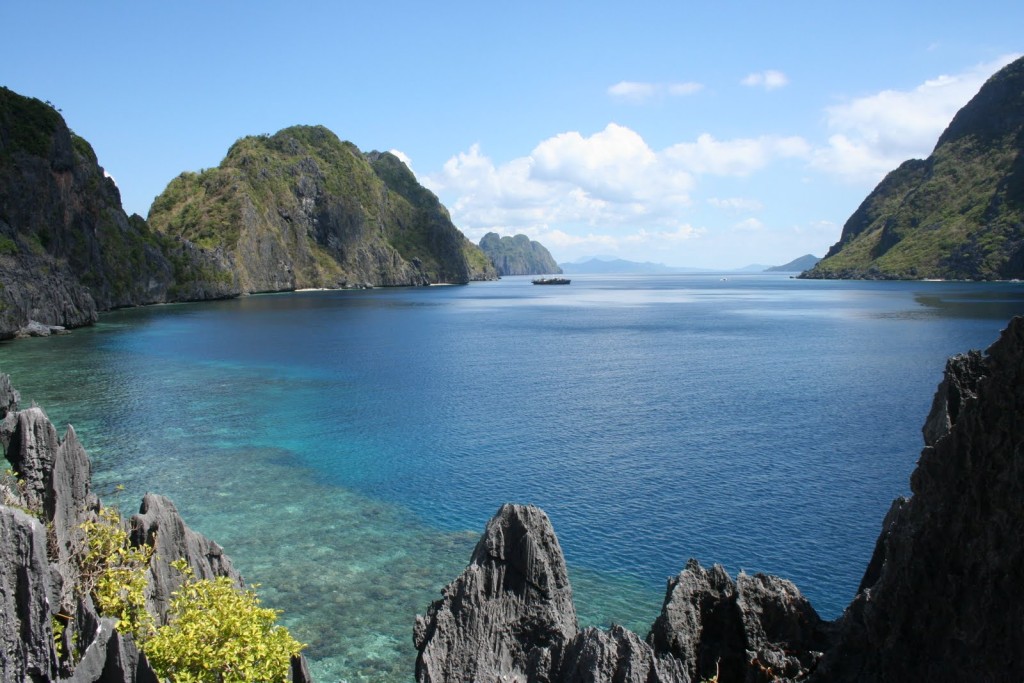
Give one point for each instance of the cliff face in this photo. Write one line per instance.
(303, 209)
(42, 566)
(958, 214)
(297, 209)
(67, 248)
(518, 255)
(941, 599)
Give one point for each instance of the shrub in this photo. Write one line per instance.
(219, 633)
(114, 573)
(8, 246)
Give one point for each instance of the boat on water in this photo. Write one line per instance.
(552, 281)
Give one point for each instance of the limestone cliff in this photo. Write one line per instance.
(303, 209)
(941, 599)
(50, 629)
(67, 248)
(959, 214)
(518, 255)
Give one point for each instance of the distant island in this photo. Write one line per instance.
(797, 265)
(613, 266)
(518, 255)
(959, 214)
(622, 266)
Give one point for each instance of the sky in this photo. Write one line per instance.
(711, 135)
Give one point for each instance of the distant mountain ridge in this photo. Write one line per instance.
(518, 255)
(959, 214)
(797, 265)
(614, 266)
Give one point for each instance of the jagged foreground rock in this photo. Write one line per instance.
(942, 598)
(39, 565)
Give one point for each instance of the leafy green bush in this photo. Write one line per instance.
(219, 633)
(114, 572)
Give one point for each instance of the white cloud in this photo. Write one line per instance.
(738, 157)
(632, 91)
(683, 89)
(735, 203)
(660, 237)
(749, 225)
(639, 92)
(608, 192)
(614, 164)
(769, 80)
(872, 135)
(611, 178)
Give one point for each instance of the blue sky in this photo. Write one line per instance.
(692, 134)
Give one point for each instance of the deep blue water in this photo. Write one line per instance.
(347, 448)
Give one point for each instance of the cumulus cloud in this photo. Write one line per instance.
(749, 225)
(735, 203)
(611, 178)
(639, 92)
(683, 89)
(872, 135)
(769, 80)
(660, 237)
(739, 157)
(605, 192)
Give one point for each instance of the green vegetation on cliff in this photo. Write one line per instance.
(27, 125)
(958, 214)
(69, 249)
(518, 255)
(301, 208)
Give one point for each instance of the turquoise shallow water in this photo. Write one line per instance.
(346, 448)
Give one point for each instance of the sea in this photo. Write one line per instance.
(346, 448)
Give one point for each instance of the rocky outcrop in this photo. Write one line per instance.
(510, 617)
(26, 638)
(959, 214)
(302, 209)
(941, 599)
(617, 654)
(518, 255)
(509, 614)
(159, 525)
(42, 509)
(757, 628)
